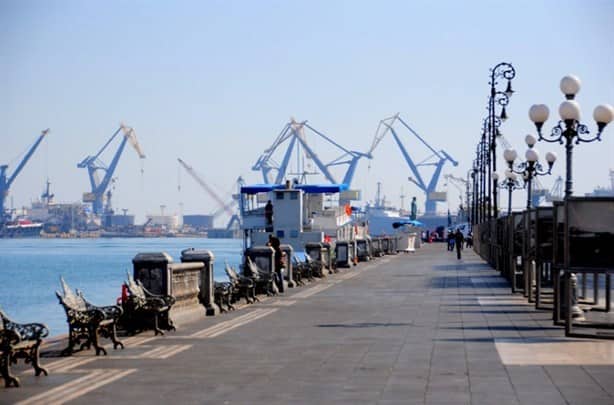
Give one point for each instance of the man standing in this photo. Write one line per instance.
(268, 215)
(458, 241)
(276, 245)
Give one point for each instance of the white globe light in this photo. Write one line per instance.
(569, 110)
(532, 155)
(509, 155)
(603, 113)
(570, 85)
(495, 176)
(530, 140)
(550, 157)
(539, 113)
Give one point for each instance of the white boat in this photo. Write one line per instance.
(22, 228)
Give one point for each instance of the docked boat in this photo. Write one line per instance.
(21, 228)
(301, 214)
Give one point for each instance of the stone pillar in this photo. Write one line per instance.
(206, 278)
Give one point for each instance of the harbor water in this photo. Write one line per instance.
(30, 270)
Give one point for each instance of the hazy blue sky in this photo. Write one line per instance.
(213, 82)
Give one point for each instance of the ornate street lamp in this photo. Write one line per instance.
(511, 182)
(569, 129)
(506, 71)
(531, 167)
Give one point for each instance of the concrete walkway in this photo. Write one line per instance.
(424, 328)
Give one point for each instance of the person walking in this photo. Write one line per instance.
(458, 241)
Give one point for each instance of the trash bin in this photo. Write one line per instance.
(362, 250)
(342, 253)
(207, 281)
(264, 258)
(152, 270)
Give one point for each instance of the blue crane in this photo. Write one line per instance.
(95, 166)
(436, 160)
(293, 133)
(5, 183)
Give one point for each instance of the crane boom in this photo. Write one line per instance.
(5, 183)
(206, 187)
(294, 133)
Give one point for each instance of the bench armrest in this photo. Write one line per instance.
(31, 331)
(8, 337)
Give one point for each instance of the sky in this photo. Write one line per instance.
(214, 82)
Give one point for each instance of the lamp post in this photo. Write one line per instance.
(567, 131)
(482, 167)
(474, 194)
(511, 182)
(531, 167)
(506, 71)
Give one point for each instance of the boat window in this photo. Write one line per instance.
(280, 234)
(279, 195)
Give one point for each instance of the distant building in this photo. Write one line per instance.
(199, 222)
(170, 222)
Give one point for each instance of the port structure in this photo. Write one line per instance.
(6, 182)
(230, 207)
(294, 137)
(436, 160)
(101, 175)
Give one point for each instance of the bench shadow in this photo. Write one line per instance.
(365, 325)
(505, 328)
(461, 266)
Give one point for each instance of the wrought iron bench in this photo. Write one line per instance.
(19, 341)
(316, 266)
(264, 281)
(242, 287)
(222, 296)
(304, 269)
(143, 308)
(86, 321)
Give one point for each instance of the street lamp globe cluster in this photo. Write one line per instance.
(511, 182)
(569, 130)
(530, 168)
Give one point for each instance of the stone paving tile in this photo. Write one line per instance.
(407, 329)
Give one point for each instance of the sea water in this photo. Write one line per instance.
(30, 270)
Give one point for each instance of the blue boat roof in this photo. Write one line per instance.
(307, 188)
(260, 188)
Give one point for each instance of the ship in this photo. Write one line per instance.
(21, 228)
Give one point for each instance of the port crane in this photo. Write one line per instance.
(6, 182)
(436, 160)
(95, 167)
(226, 207)
(293, 133)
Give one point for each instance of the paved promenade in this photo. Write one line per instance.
(407, 329)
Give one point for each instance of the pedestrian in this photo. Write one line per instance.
(458, 239)
(268, 214)
(469, 240)
(276, 245)
(451, 237)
